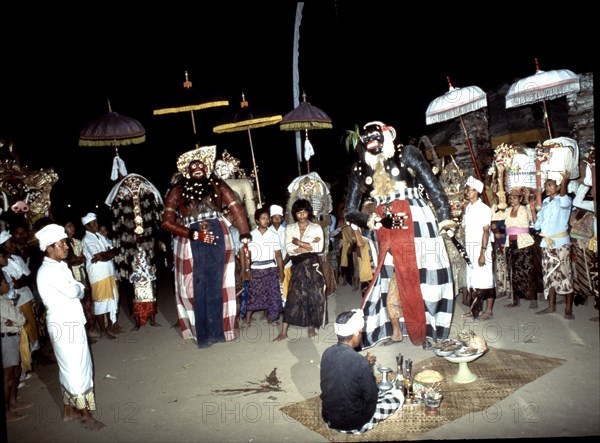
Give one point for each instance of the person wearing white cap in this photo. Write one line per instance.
(61, 295)
(99, 264)
(352, 402)
(553, 223)
(478, 243)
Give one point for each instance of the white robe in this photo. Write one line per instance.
(93, 244)
(477, 216)
(61, 295)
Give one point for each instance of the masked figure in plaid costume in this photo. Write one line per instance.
(404, 188)
(203, 248)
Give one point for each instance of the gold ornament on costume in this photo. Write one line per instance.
(234, 165)
(37, 185)
(205, 154)
(452, 180)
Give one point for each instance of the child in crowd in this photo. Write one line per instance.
(267, 270)
(10, 327)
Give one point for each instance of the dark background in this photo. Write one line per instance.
(359, 61)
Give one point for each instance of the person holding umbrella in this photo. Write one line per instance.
(203, 248)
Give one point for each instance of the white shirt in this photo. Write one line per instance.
(262, 249)
(94, 243)
(60, 293)
(281, 234)
(313, 230)
(16, 268)
(477, 216)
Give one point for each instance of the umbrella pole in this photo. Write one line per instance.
(194, 128)
(547, 119)
(462, 122)
(255, 171)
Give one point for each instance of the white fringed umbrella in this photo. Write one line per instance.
(455, 103)
(542, 86)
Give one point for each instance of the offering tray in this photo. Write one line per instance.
(464, 374)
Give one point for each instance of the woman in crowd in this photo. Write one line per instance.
(519, 252)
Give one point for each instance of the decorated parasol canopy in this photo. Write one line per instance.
(455, 103)
(113, 129)
(244, 119)
(305, 117)
(190, 100)
(542, 86)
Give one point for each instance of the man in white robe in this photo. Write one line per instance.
(100, 267)
(61, 295)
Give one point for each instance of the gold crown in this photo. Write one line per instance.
(205, 154)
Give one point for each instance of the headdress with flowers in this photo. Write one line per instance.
(205, 154)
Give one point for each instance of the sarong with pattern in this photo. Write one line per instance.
(419, 258)
(219, 321)
(264, 293)
(306, 302)
(520, 266)
(558, 273)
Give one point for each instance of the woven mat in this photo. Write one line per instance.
(500, 374)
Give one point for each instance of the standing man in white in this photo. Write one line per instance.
(61, 295)
(99, 255)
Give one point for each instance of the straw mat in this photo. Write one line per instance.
(500, 372)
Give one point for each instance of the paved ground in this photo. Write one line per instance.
(152, 386)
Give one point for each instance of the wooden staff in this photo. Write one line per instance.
(538, 184)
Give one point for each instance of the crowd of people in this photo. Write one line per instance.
(392, 227)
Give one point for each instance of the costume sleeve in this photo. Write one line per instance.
(239, 217)
(415, 160)
(354, 197)
(169, 216)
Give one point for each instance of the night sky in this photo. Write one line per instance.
(359, 61)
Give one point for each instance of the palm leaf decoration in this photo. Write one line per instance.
(351, 138)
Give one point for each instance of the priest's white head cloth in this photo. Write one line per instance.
(90, 216)
(50, 234)
(352, 326)
(475, 184)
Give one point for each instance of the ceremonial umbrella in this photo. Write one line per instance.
(305, 117)
(542, 86)
(455, 103)
(191, 100)
(113, 129)
(244, 119)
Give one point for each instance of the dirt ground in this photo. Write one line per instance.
(153, 386)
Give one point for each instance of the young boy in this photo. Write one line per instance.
(267, 270)
(12, 323)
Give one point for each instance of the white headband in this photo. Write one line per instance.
(352, 326)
